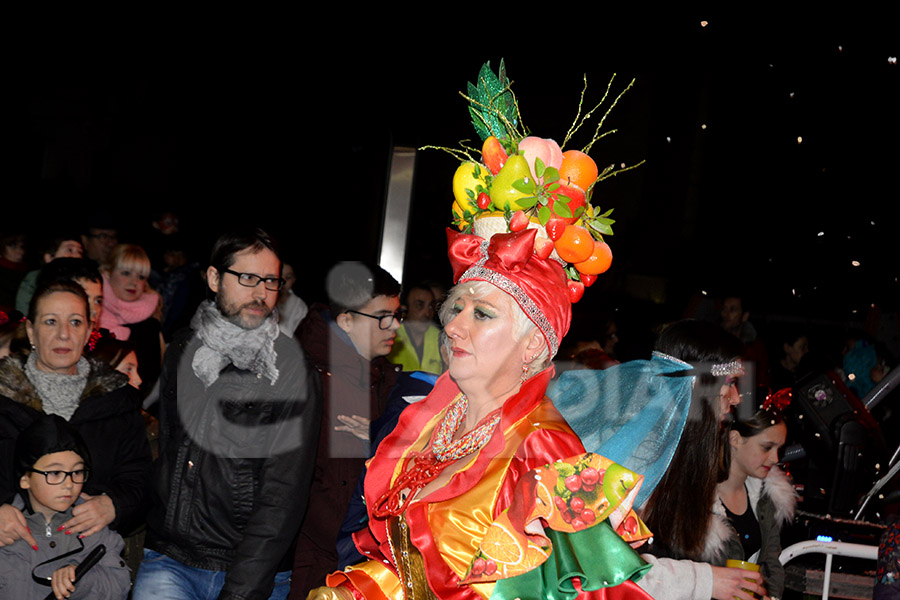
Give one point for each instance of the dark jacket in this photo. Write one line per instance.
(108, 418)
(351, 385)
(232, 478)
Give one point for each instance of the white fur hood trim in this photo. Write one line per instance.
(780, 489)
(777, 487)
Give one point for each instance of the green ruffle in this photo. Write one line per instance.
(597, 555)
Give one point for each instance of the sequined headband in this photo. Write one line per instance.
(479, 272)
(734, 367)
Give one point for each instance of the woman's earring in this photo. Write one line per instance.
(524, 372)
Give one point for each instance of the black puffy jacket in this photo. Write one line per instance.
(108, 417)
(232, 479)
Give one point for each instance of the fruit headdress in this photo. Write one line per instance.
(522, 181)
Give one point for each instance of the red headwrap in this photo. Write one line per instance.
(508, 262)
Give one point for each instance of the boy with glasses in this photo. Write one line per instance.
(52, 464)
(347, 342)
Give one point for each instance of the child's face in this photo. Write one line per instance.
(48, 499)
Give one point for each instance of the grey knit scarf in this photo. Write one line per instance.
(59, 393)
(224, 343)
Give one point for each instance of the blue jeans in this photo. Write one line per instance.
(163, 578)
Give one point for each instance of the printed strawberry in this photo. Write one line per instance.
(587, 279)
(483, 201)
(518, 222)
(490, 568)
(555, 228)
(493, 154)
(576, 291)
(543, 247)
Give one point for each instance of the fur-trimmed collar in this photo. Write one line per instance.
(15, 385)
(776, 486)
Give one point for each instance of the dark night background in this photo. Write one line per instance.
(291, 126)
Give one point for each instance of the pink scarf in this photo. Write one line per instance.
(118, 313)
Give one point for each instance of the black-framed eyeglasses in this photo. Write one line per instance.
(57, 477)
(273, 284)
(384, 321)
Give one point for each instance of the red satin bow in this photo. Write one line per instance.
(507, 252)
(779, 400)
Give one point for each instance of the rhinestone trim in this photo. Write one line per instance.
(478, 271)
(734, 367)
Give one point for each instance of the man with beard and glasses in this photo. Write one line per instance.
(239, 420)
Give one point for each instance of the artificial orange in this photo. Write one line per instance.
(598, 262)
(575, 244)
(578, 168)
(500, 546)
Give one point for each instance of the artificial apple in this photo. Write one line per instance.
(576, 200)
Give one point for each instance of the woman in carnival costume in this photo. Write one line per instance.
(483, 490)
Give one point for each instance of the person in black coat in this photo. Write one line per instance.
(54, 378)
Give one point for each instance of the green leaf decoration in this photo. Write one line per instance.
(539, 166)
(563, 198)
(524, 185)
(544, 215)
(552, 187)
(601, 227)
(551, 174)
(526, 203)
(564, 470)
(562, 209)
(578, 212)
(606, 214)
(470, 194)
(491, 103)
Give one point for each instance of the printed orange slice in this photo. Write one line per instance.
(544, 504)
(499, 545)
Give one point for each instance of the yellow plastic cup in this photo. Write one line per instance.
(747, 566)
(742, 564)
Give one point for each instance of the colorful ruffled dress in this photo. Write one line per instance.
(483, 526)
